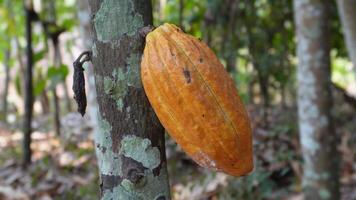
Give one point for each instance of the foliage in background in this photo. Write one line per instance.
(263, 45)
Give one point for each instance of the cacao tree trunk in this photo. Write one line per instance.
(347, 12)
(317, 135)
(130, 143)
(28, 103)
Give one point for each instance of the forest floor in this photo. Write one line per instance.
(65, 167)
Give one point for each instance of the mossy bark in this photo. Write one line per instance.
(130, 143)
(317, 135)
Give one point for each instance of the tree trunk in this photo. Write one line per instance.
(208, 20)
(181, 11)
(229, 47)
(130, 145)
(58, 61)
(50, 17)
(28, 89)
(251, 93)
(56, 114)
(347, 14)
(231, 65)
(283, 95)
(20, 56)
(6, 85)
(263, 82)
(317, 135)
(85, 28)
(44, 102)
(262, 75)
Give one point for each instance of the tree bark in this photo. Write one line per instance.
(347, 14)
(85, 29)
(44, 102)
(262, 75)
(58, 61)
(317, 135)
(19, 55)
(6, 85)
(181, 11)
(229, 43)
(130, 145)
(56, 114)
(28, 104)
(50, 17)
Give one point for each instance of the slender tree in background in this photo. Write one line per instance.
(317, 135)
(6, 85)
(20, 59)
(52, 32)
(255, 53)
(229, 45)
(28, 104)
(7, 52)
(181, 12)
(130, 144)
(347, 12)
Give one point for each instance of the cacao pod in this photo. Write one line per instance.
(196, 100)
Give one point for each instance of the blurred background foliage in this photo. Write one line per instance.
(254, 39)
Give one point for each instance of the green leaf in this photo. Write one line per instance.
(57, 74)
(40, 86)
(64, 71)
(68, 24)
(39, 56)
(40, 82)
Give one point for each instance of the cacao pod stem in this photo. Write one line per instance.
(146, 30)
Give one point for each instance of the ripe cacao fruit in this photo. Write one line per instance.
(196, 100)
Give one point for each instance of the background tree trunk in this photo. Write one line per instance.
(130, 145)
(58, 61)
(28, 104)
(6, 85)
(181, 11)
(20, 58)
(50, 18)
(347, 12)
(317, 135)
(229, 43)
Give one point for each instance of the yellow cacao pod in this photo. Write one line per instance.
(196, 100)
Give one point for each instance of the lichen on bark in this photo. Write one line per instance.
(103, 144)
(140, 149)
(110, 23)
(117, 84)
